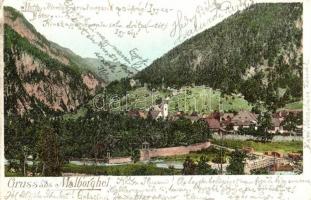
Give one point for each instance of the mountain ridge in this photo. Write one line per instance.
(248, 52)
(40, 77)
(63, 54)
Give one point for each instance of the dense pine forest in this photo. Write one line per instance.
(256, 52)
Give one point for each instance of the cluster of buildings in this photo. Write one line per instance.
(155, 112)
(219, 120)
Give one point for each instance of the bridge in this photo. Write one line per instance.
(263, 161)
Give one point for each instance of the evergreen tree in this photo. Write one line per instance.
(50, 155)
(237, 162)
(203, 168)
(189, 167)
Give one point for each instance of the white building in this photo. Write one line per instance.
(159, 111)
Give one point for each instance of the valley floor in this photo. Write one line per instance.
(173, 165)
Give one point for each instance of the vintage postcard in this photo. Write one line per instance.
(154, 99)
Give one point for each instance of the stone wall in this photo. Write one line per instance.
(172, 151)
(118, 160)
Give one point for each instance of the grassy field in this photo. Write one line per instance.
(75, 115)
(199, 99)
(188, 99)
(124, 170)
(12, 174)
(142, 98)
(117, 170)
(294, 105)
(282, 147)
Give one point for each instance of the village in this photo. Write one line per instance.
(242, 126)
(207, 105)
(221, 102)
(231, 121)
(270, 142)
(221, 123)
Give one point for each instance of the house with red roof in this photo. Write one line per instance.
(213, 124)
(159, 111)
(244, 119)
(276, 126)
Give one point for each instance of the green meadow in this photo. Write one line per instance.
(282, 147)
(188, 99)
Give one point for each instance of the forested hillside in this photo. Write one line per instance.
(256, 52)
(39, 75)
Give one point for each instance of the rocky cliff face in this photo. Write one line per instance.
(39, 75)
(18, 23)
